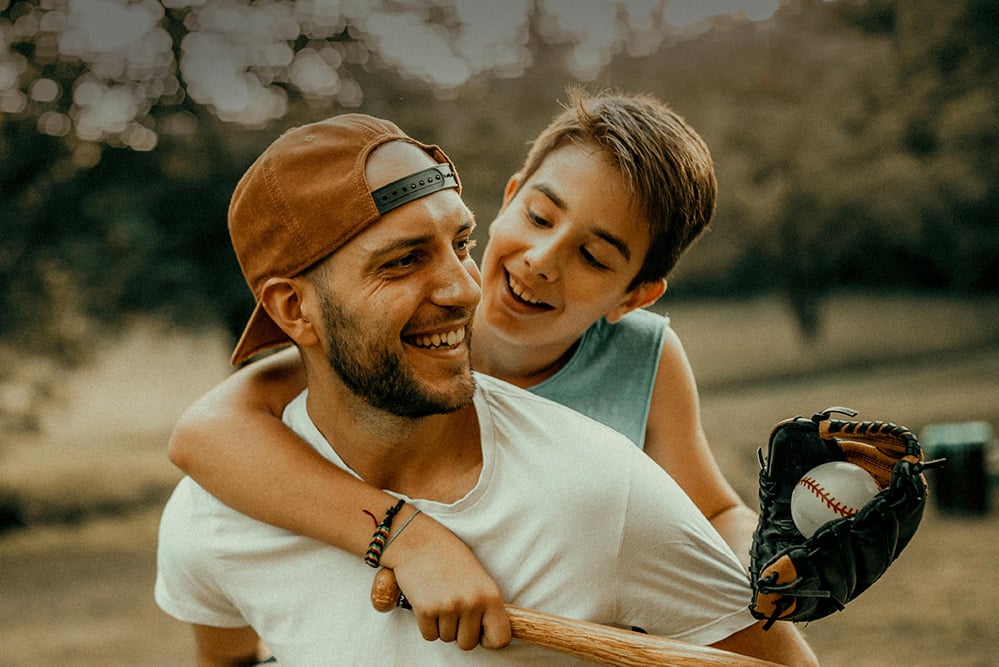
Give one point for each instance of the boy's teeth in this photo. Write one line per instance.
(521, 292)
(450, 339)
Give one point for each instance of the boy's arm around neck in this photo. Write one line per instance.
(233, 443)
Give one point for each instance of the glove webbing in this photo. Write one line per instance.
(875, 446)
(886, 436)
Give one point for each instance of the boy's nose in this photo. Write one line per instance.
(541, 260)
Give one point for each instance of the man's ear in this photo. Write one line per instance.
(284, 299)
(645, 294)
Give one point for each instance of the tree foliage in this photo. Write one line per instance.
(855, 140)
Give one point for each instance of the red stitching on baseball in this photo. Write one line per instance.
(829, 500)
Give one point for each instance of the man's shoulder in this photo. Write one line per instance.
(495, 389)
(193, 510)
(191, 505)
(523, 410)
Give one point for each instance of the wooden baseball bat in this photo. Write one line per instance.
(600, 644)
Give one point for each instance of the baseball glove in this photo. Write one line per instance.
(798, 579)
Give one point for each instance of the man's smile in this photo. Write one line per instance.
(438, 340)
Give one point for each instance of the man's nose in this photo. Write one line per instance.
(456, 284)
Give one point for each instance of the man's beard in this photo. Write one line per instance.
(380, 377)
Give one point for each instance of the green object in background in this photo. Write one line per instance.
(963, 486)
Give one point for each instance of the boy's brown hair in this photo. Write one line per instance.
(665, 163)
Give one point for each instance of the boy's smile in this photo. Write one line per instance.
(523, 295)
(562, 252)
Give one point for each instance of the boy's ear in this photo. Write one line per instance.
(512, 185)
(284, 299)
(645, 294)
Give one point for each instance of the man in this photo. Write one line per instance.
(355, 241)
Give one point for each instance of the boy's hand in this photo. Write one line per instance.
(452, 595)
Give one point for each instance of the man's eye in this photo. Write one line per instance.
(403, 262)
(464, 245)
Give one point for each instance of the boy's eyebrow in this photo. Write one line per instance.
(546, 190)
(616, 241)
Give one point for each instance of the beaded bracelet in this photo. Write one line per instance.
(374, 554)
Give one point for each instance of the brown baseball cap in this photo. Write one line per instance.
(307, 195)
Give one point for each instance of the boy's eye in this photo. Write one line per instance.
(464, 245)
(590, 259)
(538, 220)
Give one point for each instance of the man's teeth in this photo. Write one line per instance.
(449, 339)
(522, 292)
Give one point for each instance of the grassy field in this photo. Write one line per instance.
(81, 593)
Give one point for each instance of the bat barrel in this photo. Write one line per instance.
(600, 644)
(605, 645)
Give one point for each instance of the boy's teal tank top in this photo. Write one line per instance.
(611, 374)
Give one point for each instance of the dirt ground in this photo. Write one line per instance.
(81, 593)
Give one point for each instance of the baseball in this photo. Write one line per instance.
(830, 491)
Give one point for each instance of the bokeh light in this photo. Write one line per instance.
(244, 61)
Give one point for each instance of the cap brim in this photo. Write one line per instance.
(261, 333)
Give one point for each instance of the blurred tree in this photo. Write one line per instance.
(949, 55)
(124, 126)
(855, 140)
(855, 146)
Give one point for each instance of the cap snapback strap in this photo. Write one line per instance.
(420, 184)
